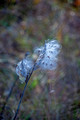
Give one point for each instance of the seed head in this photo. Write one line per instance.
(48, 55)
(24, 68)
(47, 60)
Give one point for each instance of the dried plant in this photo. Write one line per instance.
(47, 57)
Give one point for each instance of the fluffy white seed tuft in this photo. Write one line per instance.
(48, 55)
(47, 60)
(24, 68)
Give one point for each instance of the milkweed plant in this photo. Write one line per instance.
(47, 57)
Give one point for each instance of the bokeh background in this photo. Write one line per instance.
(25, 24)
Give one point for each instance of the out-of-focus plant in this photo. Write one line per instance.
(47, 57)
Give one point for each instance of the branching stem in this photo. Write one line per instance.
(27, 79)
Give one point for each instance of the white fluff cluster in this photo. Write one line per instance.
(47, 60)
(48, 55)
(24, 68)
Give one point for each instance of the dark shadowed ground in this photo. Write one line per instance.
(25, 24)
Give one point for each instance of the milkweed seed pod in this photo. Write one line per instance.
(24, 68)
(48, 55)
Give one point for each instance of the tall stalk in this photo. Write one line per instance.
(27, 79)
(4, 105)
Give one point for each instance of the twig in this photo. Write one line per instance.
(3, 108)
(27, 79)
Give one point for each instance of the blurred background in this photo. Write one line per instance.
(25, 24)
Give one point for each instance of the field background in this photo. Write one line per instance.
(25, 24)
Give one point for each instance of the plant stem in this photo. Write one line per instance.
(20, 101)
(27, 79)
(3, 108)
